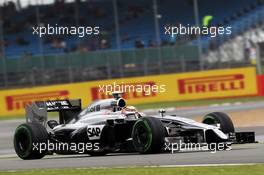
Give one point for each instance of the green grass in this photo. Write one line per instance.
(197, 102)
(52, 115)
(10, 117)
(217, 170)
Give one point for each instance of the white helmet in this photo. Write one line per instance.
(130, 111)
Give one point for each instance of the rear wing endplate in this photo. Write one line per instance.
(38, 111)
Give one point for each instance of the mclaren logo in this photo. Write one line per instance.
(207, 84)
(17, 102)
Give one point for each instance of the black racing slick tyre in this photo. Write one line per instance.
(27, 140)
(215, 118)
(148, 135)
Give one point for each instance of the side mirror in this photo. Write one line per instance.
(162, 112)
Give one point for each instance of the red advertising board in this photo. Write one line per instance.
(260, 80)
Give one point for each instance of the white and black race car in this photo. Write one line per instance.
(110, 126)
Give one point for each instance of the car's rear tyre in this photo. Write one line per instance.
(148, 135)
(225, 122)
(26, 136)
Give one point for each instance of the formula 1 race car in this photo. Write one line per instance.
(110, 126)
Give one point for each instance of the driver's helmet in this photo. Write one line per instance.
(129, 109)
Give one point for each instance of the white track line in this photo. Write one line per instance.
(172, 166)
(203, 165)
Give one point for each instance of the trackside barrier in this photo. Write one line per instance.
(222, 83)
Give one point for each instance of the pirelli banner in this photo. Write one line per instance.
(221, 83)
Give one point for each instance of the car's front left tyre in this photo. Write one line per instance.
(27, 140)
(148, 135)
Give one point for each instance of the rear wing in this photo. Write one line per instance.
(38, 111)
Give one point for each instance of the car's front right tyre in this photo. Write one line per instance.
(219, 118)
(225, 124)
(27, 140)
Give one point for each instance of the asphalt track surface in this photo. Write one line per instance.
(245, 153)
